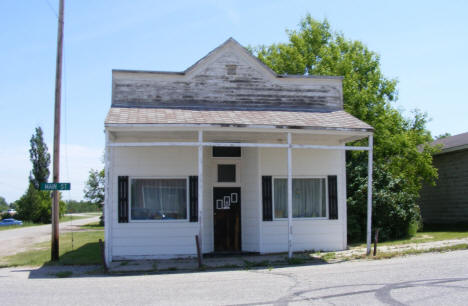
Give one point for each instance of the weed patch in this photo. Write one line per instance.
(295, 261)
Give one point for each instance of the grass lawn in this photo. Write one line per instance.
(63, 219)
(93, 225)
(425, 236)
(86, 251)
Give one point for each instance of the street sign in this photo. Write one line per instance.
(54, 186)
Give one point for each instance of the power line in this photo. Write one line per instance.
(52, 8)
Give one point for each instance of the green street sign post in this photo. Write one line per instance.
(54, 186)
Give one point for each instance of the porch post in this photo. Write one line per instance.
(289, 197)
(369, 194)
(106, 210)
(200, 191)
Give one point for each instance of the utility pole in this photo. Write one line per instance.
(56, 158)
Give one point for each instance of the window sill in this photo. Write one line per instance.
(303, 219)
(160, 221)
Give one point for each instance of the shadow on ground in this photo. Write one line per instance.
(71, 264)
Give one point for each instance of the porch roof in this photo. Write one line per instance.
(333, 120)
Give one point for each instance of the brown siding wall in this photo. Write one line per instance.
(447, 202)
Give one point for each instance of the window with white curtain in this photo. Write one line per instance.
(158, 199)
(309, 198)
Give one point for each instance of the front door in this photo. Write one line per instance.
(227, 223)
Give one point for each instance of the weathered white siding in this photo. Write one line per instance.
(162, 239)
(308, 234)
(152, 239)
(251, 201)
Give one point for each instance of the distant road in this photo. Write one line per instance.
(20, 239)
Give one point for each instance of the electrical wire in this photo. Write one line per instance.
(52, 8)
(65, 136)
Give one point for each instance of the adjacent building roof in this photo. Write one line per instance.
(453, 143)
(337, 120)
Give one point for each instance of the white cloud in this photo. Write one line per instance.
(75, 163)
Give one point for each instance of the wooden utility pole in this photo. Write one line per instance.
(56, 158)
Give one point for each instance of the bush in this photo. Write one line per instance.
(36, 206)
(394, 211)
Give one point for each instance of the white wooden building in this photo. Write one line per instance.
(248, 160)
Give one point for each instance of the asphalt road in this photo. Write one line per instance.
(428, 279)
(20, 239)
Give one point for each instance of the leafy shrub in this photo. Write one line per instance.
(394, 209)
(36, 206)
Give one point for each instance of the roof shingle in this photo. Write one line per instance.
(318, 120)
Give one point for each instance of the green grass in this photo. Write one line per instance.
(253, 264)
(386, 255)
(86, 251)
(425, 236)
(93, 226)
(295, 261)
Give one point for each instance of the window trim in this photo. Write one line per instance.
(299, 177)
(187, 200)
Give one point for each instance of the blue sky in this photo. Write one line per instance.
(423, 44)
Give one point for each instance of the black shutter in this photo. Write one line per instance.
(123, 199)
(267, 198)
(193, 197)
(332, 197)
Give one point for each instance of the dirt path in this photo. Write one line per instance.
(400, 248)
(20, 239)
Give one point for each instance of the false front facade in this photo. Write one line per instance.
(229, 151)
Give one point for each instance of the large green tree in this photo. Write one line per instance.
(402, 156)
(40, 159)
(35, 205)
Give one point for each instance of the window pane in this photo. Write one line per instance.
(226, 151)
(280, 198)
(226, 173)
(308, 195)
(158, 199)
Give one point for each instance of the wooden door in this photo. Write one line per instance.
(227, 219)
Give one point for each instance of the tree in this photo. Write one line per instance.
(444, 135)
(3, 204)
(40, 159)
(94, 189)
(35, 206)
(402, 155)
